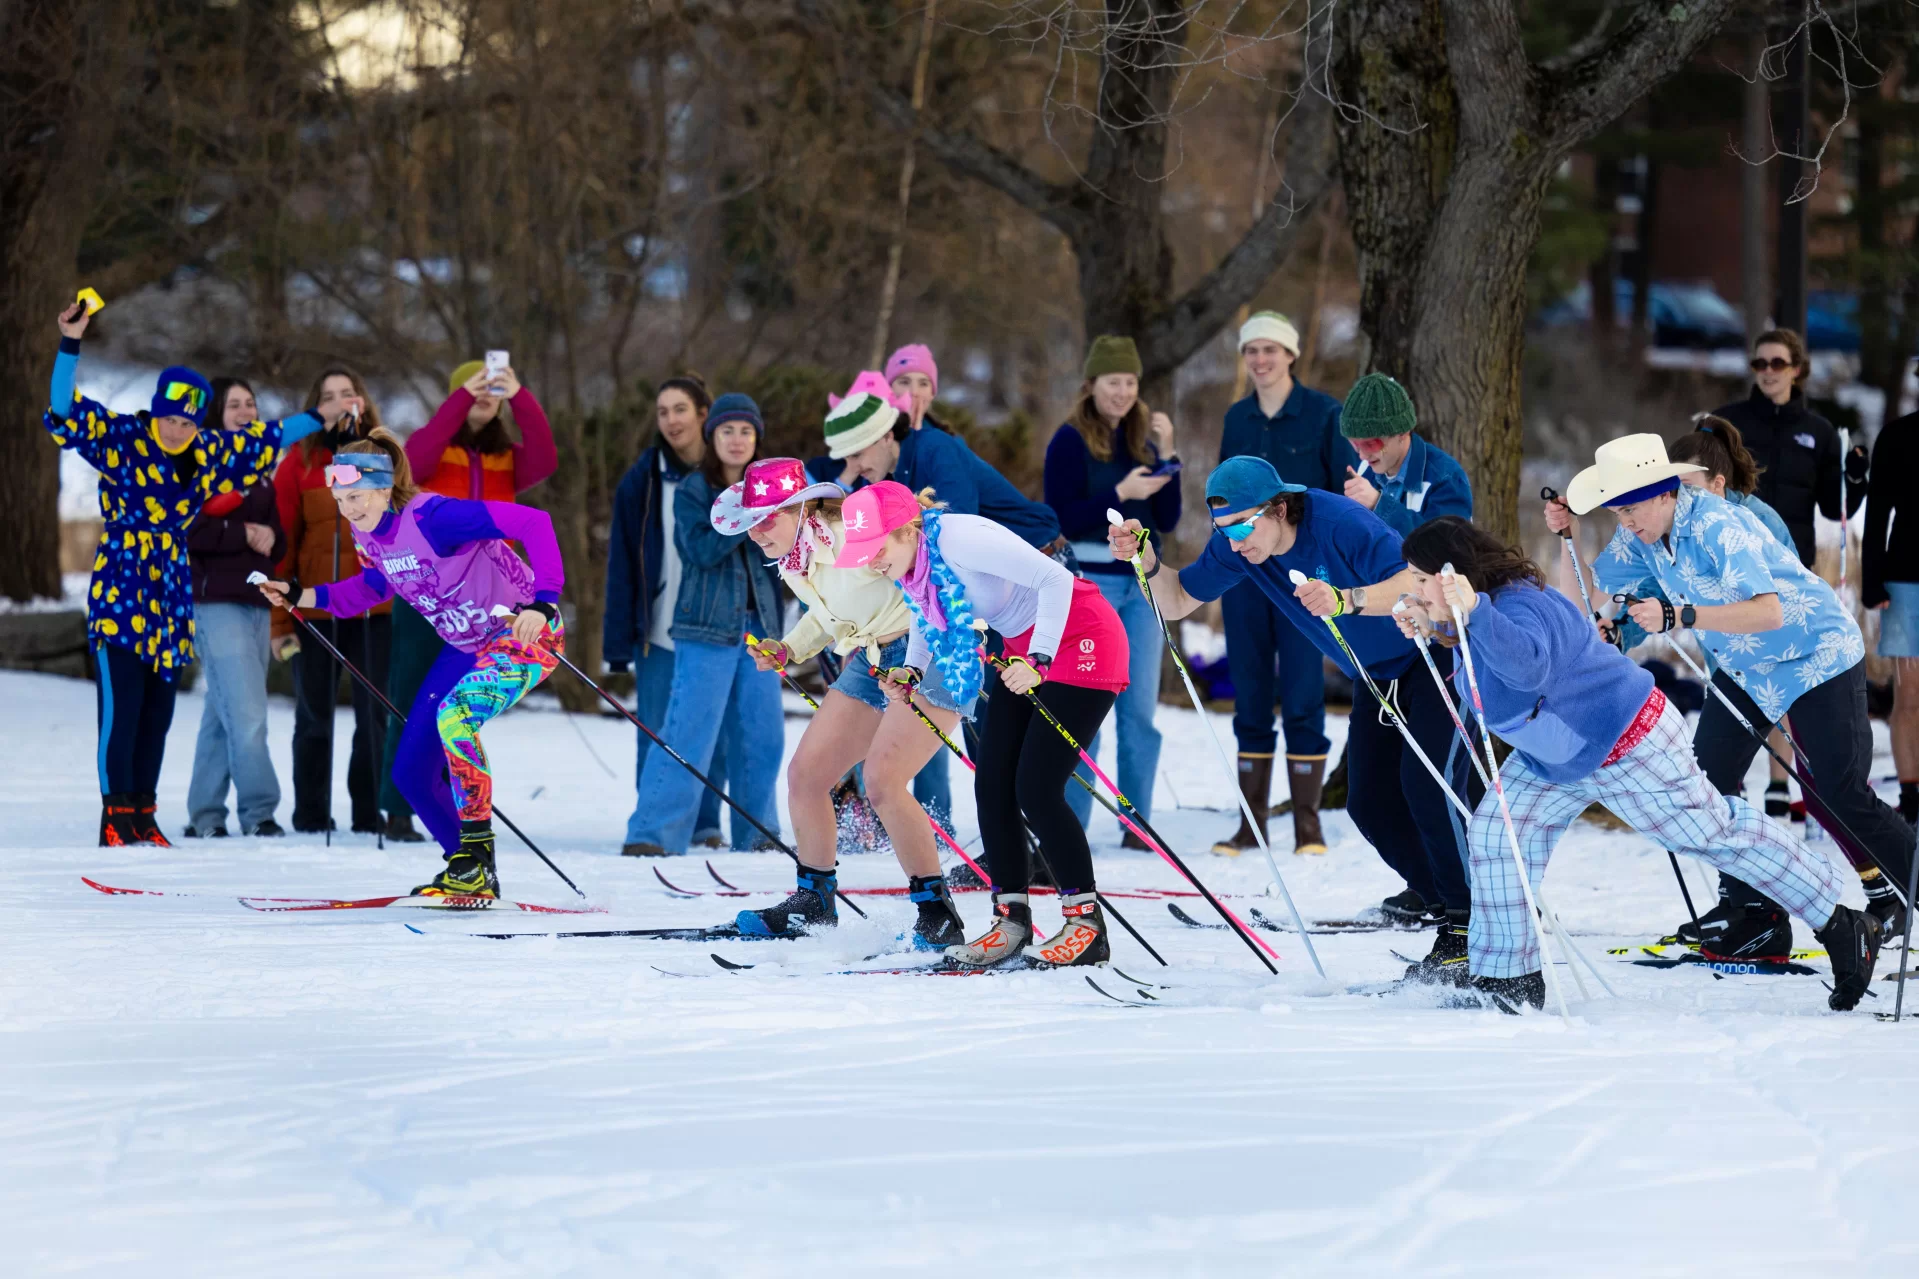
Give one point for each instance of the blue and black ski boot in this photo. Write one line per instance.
(810, 908)
(939, 924)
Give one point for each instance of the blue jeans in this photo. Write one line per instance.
(653, 682)
(718, 701)
(1133, 712)
(1257, 633)
(231, 641)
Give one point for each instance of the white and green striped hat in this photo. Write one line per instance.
(857, 421)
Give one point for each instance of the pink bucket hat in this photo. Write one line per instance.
(769, 485)
(913, 358)
(869, 515)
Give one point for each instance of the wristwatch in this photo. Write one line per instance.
(1688, 615)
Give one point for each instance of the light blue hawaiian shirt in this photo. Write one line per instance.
(1721, 554)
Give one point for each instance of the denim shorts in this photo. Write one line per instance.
(1899, 621)
(857, 682)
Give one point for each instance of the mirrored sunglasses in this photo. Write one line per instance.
(1237, 532)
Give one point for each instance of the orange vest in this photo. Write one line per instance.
(457, 476)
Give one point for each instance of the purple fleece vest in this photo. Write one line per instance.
(455, 593)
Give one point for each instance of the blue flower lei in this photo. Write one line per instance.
(955, 650)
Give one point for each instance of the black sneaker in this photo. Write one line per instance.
(810, 907)
(939, 924)
(1445, 963)
(1507, 994)
(1778, 800)
(268, 829)
(401, 830)
(1851, 939)
(1407, 909)
(212, 832)
(1758, 935)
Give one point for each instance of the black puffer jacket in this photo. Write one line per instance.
(1891, 542)
(1799, 462)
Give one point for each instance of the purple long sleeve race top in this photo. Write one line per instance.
(449, 559)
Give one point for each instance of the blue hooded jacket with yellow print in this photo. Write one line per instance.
(141, 596)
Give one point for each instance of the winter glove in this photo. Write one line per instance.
(1856, 465)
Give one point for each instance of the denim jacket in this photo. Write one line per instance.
(714, 572)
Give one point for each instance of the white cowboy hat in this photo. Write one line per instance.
(1619, 467)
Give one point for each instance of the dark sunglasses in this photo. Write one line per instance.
(1776, 364)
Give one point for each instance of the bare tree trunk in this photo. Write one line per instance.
(896, 249)
(59, 63)
(1755, 244)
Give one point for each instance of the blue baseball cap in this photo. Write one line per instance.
(181, 393)
(1244, 482)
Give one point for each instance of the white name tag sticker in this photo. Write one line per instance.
(1417, 501)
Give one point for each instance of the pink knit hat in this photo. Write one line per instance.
(915, 358)
(871, 383)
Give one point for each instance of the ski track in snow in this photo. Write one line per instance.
(190, 1088)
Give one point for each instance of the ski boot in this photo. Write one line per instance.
(1737, 899)
(1255, 784)
(1445, 963)
(1507, 994)
(143, 823)
(1012, 929)
(1081, 940)
(117, 822)
(1778, 800)
(810, 907)
(1851, 939)
(1407, 910)
(963, 876)
(469, 872)
(939, 924)
(1883, 904)
(1760, 934)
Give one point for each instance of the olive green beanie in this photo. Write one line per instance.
(1376, 406)
(1110, 354)
(462, 375)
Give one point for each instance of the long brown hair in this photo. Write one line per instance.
(1716, 444)
(1481, 558)
(1092, 427)
(369, 415)
(381, 440)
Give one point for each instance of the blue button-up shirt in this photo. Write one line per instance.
(1719, 553)
(1302, 440)
(1429, 484)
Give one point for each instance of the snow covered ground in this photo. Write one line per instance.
(191, 1088)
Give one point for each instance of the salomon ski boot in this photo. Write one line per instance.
(143, 823)
(1445, 963)
(117, 822)
(810, 907)
(1851, 939)
(1012, 929)
(1760, 934)
(939, 924)
(1081, 940)
(469, 872)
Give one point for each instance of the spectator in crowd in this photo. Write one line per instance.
(1890, 583)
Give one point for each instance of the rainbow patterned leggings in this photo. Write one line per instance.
(504, 671)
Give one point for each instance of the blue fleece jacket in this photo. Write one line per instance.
(1556, 692)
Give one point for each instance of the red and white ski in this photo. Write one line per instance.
(278, 904)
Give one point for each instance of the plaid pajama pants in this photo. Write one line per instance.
(1660, 791)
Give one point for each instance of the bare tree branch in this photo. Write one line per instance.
(1656, 39)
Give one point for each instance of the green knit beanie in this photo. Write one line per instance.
(1376, 406)
(1110, 354)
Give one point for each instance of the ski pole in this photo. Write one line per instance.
(1032, 843)
(932, 821)
(1499, 789)
(1905, 951)
(1199, 708)
(1579, 571)
(1472, 753)
(256, 578)
(1138, 824)
(501, 610)
(1825, 816)
(1845, 519)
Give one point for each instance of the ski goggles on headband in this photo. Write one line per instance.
(189, 396)
(366, 471)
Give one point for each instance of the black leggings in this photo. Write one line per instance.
(1024, 769)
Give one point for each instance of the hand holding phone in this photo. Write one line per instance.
(496, 364)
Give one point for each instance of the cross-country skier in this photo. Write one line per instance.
(1782, 641)
(157, 469)
(1588, 727)
(799, 526)
(449, 559)
(1063, 643)
(1263, 530)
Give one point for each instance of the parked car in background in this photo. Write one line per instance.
(1682, 313)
